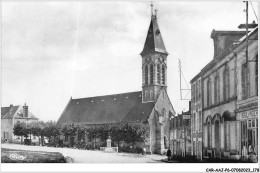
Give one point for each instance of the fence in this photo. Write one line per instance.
(109, 149)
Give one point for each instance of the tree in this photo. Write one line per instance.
(81, 130)
(51, 129)
(116, 132)
(69, 129)
(134, 132)
(37, 130)
(103, 132)
(93, 133)
(20, 130)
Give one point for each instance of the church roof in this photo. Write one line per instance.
(154, 41)
(107, 109)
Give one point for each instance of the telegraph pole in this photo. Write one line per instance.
(246, 33)
(180, 77)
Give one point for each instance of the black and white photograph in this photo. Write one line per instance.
(164, 85)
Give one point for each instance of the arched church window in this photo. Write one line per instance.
(151, 94)
(158, 74)
(163, 74)
(146, 75)
(151, 74)
(146, 94)
(164, 114)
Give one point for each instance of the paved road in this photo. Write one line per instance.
(89, 156)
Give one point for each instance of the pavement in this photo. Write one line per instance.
(90, 156)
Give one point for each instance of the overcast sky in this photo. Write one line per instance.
(43, 66)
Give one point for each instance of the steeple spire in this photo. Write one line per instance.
(154, 62)
(151, 8)
(154, 41)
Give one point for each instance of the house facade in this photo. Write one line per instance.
(228, 97)
(10, 116)
(181, 134)
(151, 105)
(247, 94)
(196, 116)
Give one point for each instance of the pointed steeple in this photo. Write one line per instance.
(154, 41)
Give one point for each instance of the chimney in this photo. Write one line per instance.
(25, 110)
(223, 39)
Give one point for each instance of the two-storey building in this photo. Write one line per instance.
(228, 97)
(196, 116)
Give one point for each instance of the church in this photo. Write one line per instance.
(151, 105)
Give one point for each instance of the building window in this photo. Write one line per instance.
(194, 92)
(249, 123)
(226, 84)
(253, 123)
(200, 121)
(226, 135)
(158, 74)
(199, 89)
(194, 121)
(151, 74)
(146, 75)
(216, 89)
(209, 92)
(163, 74)
(209, 133)
(256, 74)
(245, 81)
(164, 113)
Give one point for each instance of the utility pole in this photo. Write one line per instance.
(246, 33)
(180, 77)
(187, 87)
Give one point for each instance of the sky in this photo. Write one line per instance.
(52, 51)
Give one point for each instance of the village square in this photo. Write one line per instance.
(213, 120)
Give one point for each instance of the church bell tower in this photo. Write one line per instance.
(154, 62)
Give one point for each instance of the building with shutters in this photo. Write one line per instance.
(11, 115)
(196, 117)
(151, 105)
(225, 91)
(247, 94)
(181, 134)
